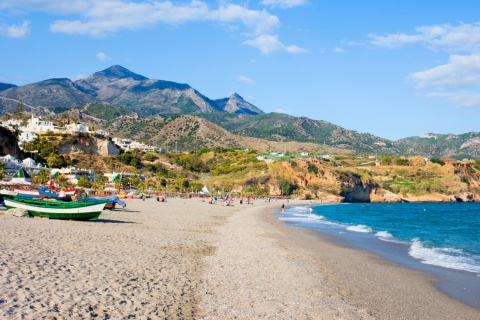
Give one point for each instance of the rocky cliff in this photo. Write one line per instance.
(9, 144)
(89, 145)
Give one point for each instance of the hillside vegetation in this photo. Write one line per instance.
(239, 171)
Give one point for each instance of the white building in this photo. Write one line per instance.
(77, 127)
(27, 136)
(37, 125)
(101, 132)
(29, 162)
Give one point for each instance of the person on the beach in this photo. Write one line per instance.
(283, 207)
(61, 194)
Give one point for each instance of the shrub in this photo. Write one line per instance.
(439, 161)
(312, 168)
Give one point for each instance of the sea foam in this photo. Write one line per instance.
(443, 257)
(360, 228)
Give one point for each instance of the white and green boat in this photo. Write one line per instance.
(54, 209)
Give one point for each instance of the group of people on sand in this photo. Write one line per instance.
(161, 198)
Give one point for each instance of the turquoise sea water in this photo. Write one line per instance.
(439, 238)
(441, 234)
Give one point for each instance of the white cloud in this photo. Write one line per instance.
(338, 50)
(102, 56)
(461, 98)
(460, 71)
(268, 44)
(259, 21)
(245, 80)
(463, 37)
(49, 6)
(78, 77)
(103, 18)
(280, 110)
(284, 3)
(457, 81)
(16, 31)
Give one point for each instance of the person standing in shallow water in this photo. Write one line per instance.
(283, 207)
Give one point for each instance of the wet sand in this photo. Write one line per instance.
(186, 259)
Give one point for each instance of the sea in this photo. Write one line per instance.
(439, 238)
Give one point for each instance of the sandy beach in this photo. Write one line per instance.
(186, 259)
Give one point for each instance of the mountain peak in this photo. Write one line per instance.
(120, 72)
(236, 104)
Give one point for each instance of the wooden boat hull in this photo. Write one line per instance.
(27, 193)
(57, 209)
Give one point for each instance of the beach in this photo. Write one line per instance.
(187, 259)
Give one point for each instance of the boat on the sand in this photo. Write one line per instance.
(111, 201)
(47, 194)
(54, 209)
(30, 193)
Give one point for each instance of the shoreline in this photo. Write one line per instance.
(326, 279)
(459, 284)
(186, 259)
(387, 289)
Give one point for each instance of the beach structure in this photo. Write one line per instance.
(21, 176)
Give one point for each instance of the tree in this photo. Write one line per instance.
(54, 160)
(286, 187)
(19, 110)
(42, 177)
(150, 156)
(84, 183)
(104, 179)
(97, 186)
(2, 169)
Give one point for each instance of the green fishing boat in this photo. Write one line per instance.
(54, 209)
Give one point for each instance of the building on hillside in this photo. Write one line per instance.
(73, 174)
(100, 132)
(77, 127)
(12, 164)
(36, 124)
(29, 162)
(27, 136)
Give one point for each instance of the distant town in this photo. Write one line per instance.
(35, 126)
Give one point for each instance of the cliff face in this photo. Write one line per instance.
(356, 190)
(9, 145)
(89, 145)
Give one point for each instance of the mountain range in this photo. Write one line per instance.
(114, 93)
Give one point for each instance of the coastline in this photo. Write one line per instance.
(317, 278)
(186, 259)
(368, 281)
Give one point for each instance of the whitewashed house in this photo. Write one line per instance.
(29, 162)
(27, 136)
(77, 127)
(36, 124)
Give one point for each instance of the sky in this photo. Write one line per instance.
(394, 69)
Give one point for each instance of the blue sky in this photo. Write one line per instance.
(390, 68)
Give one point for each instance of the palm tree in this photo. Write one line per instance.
(2, 169)
(42, 177)
(53, 160)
